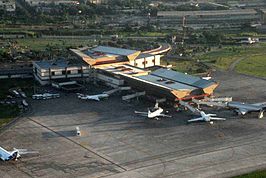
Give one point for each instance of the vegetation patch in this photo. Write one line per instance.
(25, 84)
(256, 174)
(7, 113)
(223, 58)
(253, 65)
(38, 44)
(186, 66)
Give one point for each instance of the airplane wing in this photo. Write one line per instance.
(138, 112)
(96, 99)
(197, 119)
(217, 119)
(164, 115)
(28, 152)
(212, 114)
(242, 111)
(263, 104)
(90, 98)
(4, 155)
(25, 151)
(145, 114)
(21, 150)
(103, 96)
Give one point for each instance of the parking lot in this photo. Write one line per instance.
(115, 142)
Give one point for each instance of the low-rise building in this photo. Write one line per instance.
(47, 2)
(98, 1)
(46, 71)
(234, 18)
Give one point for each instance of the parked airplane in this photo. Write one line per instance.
(92, 97)
(24, 103)
(14, 93)
(206, 78)
(153, 113)
(22, 94)
(13, 155)
(78, 131)
(206, 117)
(244, 108)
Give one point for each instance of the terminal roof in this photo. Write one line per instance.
(52, 64)
(113, 50)
(144, 55)
(166, 83)
(182, 78)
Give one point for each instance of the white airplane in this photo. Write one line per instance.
(78, 131)
(22, 93)
(194, 4)
(92, 97)
(24, 102)
(154, 113)
(244, 108)
(14, 92)
(206, 78)
(13, 155)
(206, 118)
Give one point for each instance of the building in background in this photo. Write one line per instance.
(235, 18)
(98, 1)
(47, 2)
(8, 5)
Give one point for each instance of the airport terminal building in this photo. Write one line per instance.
(119, 67)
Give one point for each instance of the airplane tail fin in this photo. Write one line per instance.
(261, 114)
(156, 105)
(14, 155)
(149, 113)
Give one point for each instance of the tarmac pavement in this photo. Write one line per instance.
(116, 143)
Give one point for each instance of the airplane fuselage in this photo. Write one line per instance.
(205, 117)
(155, 113)
(244, 106)
(93, 97)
